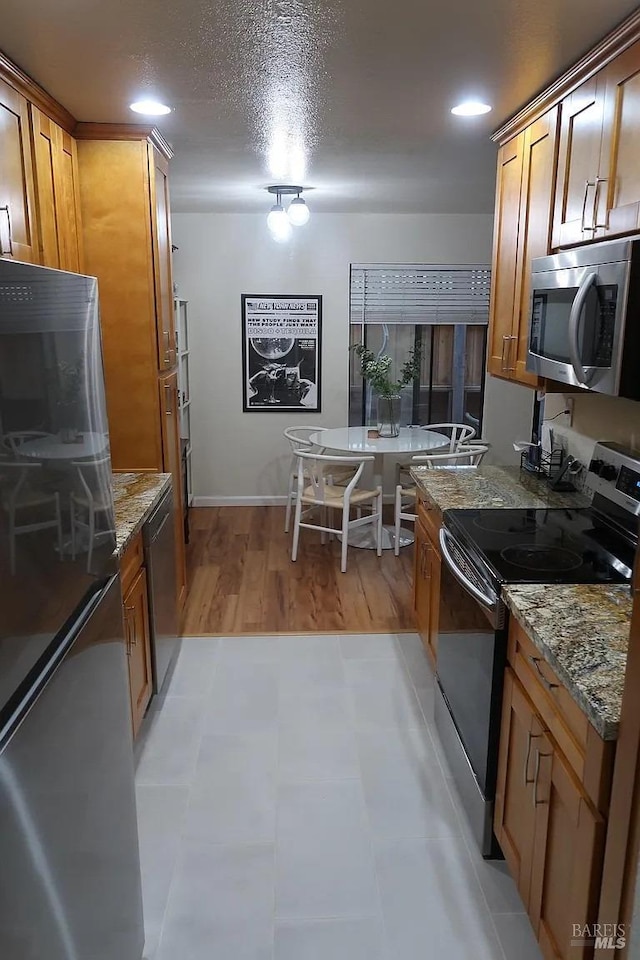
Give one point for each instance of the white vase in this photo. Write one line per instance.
(389, 415)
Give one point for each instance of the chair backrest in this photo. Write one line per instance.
(316, 470)
(456, 432)
(298, 437)
(470, 455)
(17, 473)
(94, 475)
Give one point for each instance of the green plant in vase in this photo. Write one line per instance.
(376, 370)
(69, 384)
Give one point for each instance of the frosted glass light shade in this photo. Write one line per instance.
(298, 212)
(278, 223)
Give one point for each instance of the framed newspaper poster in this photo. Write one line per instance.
(281, 353)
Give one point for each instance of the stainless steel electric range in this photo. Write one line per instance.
(481, 551)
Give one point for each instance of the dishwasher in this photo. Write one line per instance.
(160, 559)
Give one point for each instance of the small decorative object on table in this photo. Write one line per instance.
(376, 369)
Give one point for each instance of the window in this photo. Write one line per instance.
(443, 310)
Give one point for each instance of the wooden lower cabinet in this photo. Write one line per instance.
(550, 833)
(138, 642)
(427, 590)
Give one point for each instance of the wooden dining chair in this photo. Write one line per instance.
(316, 490)
(89, 502)
(30, 505)
(467, 455)
(298, 438)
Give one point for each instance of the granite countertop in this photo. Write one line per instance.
(583, 632)
(489, 486)
(135, 495)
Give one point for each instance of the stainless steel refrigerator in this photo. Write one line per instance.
(69, 864)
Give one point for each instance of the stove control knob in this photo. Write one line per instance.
(608, 471)
(596, 466)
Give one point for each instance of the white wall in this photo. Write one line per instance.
(595, 417)
(221, 256)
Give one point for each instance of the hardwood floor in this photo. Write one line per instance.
(241, 580)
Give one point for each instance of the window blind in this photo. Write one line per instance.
(419, 293)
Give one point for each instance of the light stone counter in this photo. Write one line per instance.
(135, 495)
(583, 632)
(486, 487)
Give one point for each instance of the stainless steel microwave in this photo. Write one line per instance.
(584, 325)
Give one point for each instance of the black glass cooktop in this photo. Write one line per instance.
(543, 546)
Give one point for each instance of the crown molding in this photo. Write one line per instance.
(124, 131)
(624, 35)
(33, 92)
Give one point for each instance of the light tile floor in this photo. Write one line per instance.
(293, 806)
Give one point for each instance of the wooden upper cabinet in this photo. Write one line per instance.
(56, 178)
(18, 232)
(581, 115)
(567, 858)
(161, 236)
(617, 200)
(505, 249)
(534, 230)
(522, 228)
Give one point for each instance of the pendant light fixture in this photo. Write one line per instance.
(280, 220)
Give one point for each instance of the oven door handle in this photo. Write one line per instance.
(486, 599)
(574, 328)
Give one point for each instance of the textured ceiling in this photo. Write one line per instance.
(350, 97)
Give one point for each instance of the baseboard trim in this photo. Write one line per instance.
(239, 501)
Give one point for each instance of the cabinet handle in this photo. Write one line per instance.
(6, 210)
(536, 662)
(587, 184)
(427, 565)
(511, 369)
(530, 738)
(536, 774)
(505, 340)
(134, 639)
(169, 396)
(127, 632)
(596, 198)
(167, 348)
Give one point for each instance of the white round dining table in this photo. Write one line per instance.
(51, 447)
(357, 440)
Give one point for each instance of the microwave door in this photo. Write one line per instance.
(575, 326)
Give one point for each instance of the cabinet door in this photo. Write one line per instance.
(56, 179)
(567, 859)
(514, 820)
(18, 235)
(618, 186)
(172, 464)
(505, 246)
(434, 600)
(534, 229)
(422, 589)
(138, 638)
(161, 237)
(581, 115)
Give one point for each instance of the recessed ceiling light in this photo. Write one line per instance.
(470, 108)
(152, 108)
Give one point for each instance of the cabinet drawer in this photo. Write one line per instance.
(131, 561)
(431, 519)
(562, 716)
